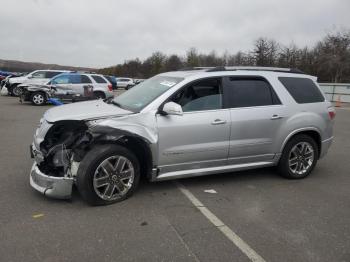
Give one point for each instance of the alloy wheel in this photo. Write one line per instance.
(113, 178)
(38, 99)
(301, 158)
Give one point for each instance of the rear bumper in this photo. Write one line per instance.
(325, 146)
(55, 187)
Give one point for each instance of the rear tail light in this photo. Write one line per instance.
(331, 112)
(110, 88)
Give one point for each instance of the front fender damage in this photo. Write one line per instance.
(67, 142)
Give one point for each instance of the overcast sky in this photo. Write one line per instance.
(99, 33)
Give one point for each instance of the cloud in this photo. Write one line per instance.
(107, 32)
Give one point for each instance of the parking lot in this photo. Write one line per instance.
(280, 220)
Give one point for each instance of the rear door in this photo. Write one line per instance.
(256, 118)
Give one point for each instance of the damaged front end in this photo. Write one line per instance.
(57, 150)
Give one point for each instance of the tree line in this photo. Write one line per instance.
(329, 59)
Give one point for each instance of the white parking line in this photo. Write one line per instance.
(232, 236)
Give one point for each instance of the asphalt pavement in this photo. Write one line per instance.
(278, 219)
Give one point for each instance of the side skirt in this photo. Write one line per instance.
(208, 171)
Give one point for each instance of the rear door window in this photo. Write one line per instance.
(75, 79)
(85, 79)
(98, 79)
(248, 92)
(303, 90)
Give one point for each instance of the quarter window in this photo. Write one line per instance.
(202, 95)
(249, 92)
(303, 90)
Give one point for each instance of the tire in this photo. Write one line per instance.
(10, 89)
(16, 90)
(99, 95)
(38, 98)
(127, 87)
(96, 180)
(299, 157)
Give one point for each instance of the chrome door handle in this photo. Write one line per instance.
(218, 122)
(274, 117)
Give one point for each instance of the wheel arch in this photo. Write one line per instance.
(313, 132)
(135, 143)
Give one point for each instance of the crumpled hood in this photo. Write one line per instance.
(84, 111)
(18, 79)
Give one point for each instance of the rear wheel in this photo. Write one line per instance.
(99, 95)
(299, 157)
(38, 98)
(108, 174)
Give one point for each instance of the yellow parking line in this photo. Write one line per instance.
(38, 215)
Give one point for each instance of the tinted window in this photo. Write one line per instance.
(248, 92)
(111, 79)
(303, 90)
(202, 95)
(50, 74)
(98, 79)
(75, 79)
(85, 79)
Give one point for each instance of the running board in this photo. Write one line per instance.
(210, 170)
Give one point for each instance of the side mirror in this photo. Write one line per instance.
(30, 77)
(172, 108)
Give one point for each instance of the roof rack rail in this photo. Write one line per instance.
(197, 68)
(255, 68)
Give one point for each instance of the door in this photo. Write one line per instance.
(257, 117)
(200, 137)
(62, 83)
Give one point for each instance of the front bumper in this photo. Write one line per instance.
(55, 187)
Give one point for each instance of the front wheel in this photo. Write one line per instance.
(108, 174)
(38, 98)
(299, 157)
(17, 91)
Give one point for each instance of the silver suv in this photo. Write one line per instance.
(65, 84)
(183, 124)
(14, 84)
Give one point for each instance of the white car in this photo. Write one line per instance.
(35, 77)
(68, 84)
(125, 82)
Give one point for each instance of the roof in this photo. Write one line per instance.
(223, 70)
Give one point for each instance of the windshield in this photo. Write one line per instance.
(141, 95)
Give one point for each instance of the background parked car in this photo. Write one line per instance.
(124, 82)
(35, 77)
(68, 84)
(138, 81)
(112, 80)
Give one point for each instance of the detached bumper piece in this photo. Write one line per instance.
(55, 187)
